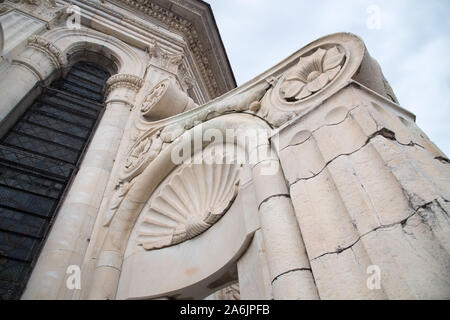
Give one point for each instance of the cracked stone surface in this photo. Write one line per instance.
(369, 188)
(370, 194)
(412, 256)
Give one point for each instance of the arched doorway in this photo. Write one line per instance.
(39, 156)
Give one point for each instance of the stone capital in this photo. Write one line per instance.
(169, 62)
(127, 81)
(57, 57)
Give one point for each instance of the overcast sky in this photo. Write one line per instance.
(411, 42)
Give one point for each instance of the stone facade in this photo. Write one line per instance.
(343, 196)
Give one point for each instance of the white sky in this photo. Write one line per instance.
(412, 45)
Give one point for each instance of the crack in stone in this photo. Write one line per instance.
(293, 270)
(323, 126)
(267, 159)
(284, 195)
(386, 133)
(402, 223)
(443, 208)
(442, 159)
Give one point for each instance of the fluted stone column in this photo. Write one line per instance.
(101, 225)
(371, 195)
(70, 235)
(38, 61)
(289, 267)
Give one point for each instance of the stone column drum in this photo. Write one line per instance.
(289, 267)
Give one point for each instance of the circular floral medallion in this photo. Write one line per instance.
(312, 73)
(143, 151)
(154, 96)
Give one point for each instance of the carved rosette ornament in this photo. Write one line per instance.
(154, 96)
(188, 203)
(312, 74)
(58, 58)
(141, 153)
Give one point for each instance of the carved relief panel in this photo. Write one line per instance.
(186, 204)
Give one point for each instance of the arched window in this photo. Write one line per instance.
(39, 156)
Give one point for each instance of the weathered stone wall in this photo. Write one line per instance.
(343, 197)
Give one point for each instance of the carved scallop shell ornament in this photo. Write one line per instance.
(190, 202)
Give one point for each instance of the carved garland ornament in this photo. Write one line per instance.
(194, 198)
(312, 74)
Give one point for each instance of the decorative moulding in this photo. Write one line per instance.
(128, 81)
(57, 57)
(191, 36)
(149, 139)
(45, 10)
(209, 69)
(140, 155)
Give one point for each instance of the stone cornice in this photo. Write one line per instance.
(52, 51)
(45, 10)
(216, 73)
(123, 81)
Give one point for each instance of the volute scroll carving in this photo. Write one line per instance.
(165, 100)
(303, 82)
